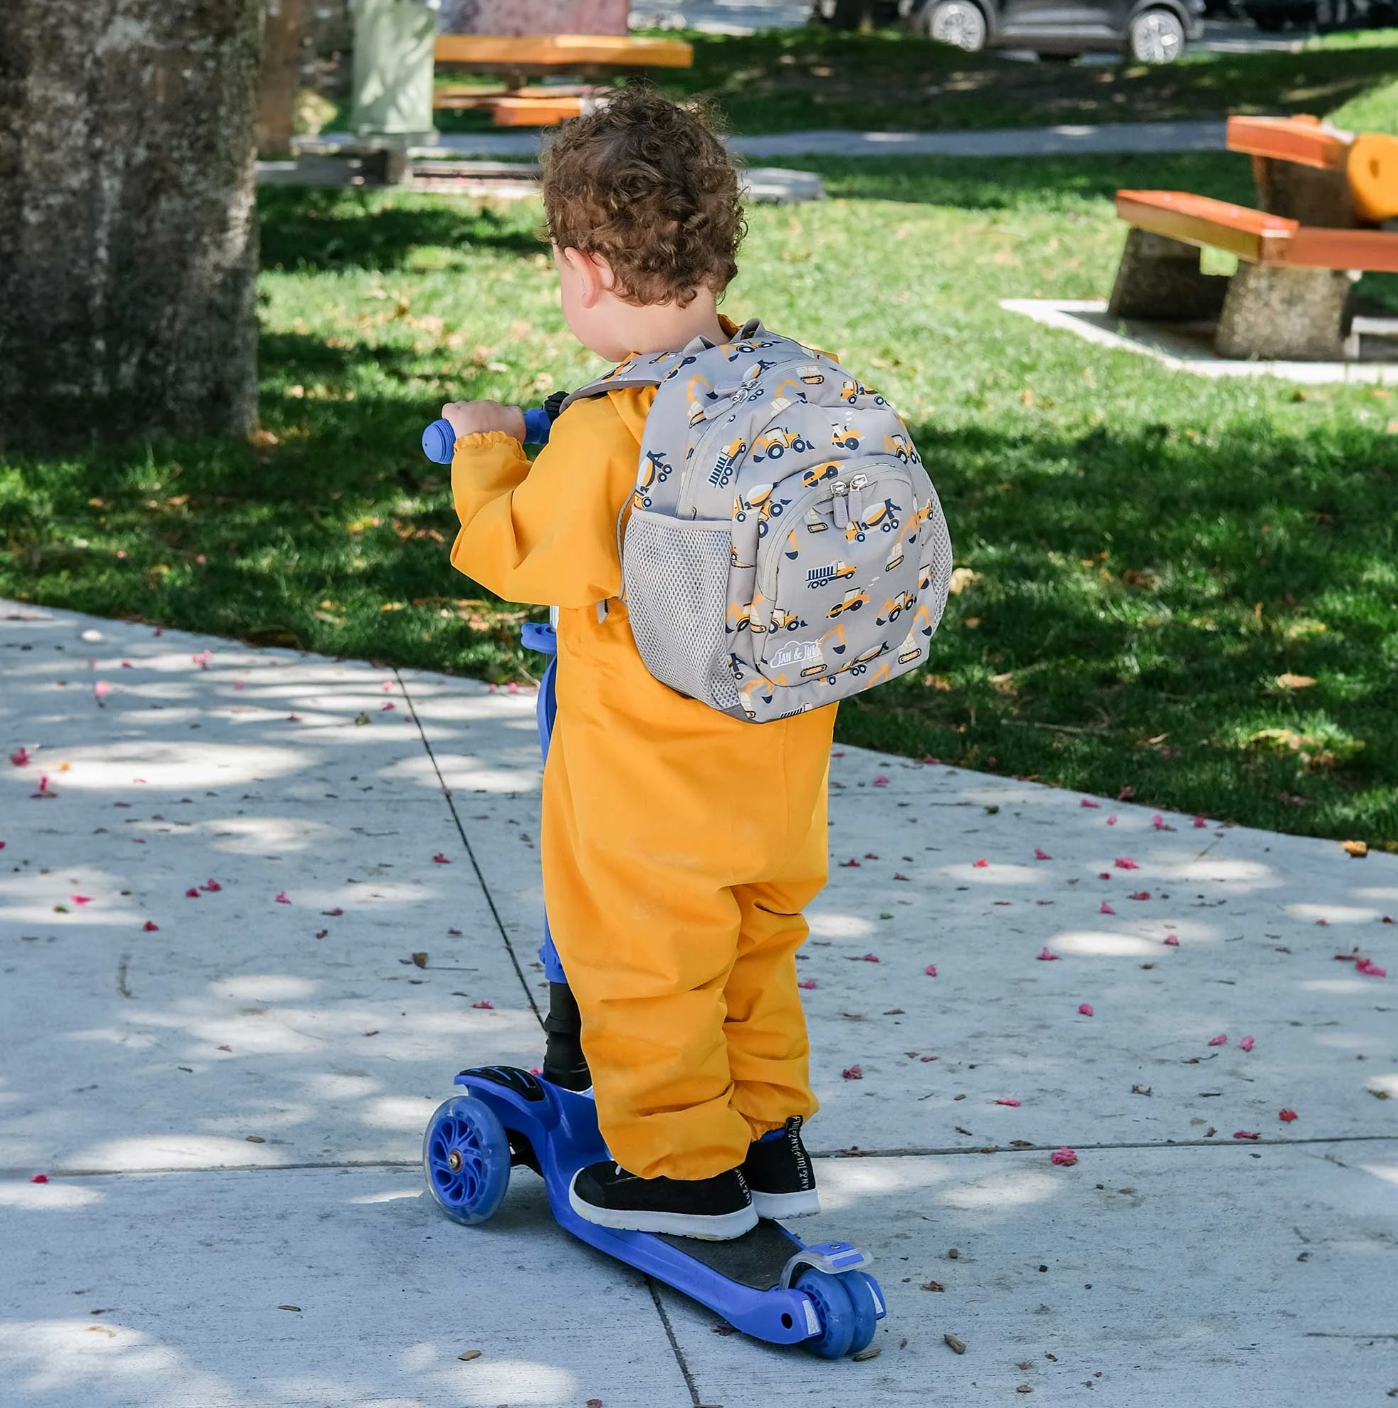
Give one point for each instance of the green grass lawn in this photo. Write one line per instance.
(785, 80)
(1149, 553)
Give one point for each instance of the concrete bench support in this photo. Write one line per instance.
(1275, 313)
(1160, 278)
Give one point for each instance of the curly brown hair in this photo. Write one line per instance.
(646, 185)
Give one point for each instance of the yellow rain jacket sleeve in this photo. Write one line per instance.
(679, 845)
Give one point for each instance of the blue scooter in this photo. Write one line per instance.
(767, 1283)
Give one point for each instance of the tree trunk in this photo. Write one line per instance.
(280, 77)
(128, 242)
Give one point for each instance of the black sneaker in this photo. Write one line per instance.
(713, 1209)
(779, 1172)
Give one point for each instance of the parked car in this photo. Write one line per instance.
(1150, 31)
(1323, 15)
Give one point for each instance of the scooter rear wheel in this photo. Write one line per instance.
(834, 1310)
(865, 1306)
(466, 1157)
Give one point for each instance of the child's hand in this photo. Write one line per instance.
(470, 417)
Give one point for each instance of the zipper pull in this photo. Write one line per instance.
(840, 490)
(856, 495)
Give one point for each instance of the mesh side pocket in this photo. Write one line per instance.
(675, 573)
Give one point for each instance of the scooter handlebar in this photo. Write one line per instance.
(439, 439)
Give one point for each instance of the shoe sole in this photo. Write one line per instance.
(723, 1227)
(786, 1205)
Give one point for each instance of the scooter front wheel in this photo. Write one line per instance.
(834, 1310)
(866, 1304)
(466, 1157)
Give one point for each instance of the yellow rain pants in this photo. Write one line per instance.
(679, 845)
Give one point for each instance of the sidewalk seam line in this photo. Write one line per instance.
(674, 1343)
(470, 854)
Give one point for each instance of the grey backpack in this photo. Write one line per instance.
(785, 548)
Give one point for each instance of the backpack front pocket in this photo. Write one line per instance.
(675, 576)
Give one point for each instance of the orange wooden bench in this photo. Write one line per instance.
(531, 56)
(1321, 195)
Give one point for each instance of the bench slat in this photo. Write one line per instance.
(1201, 220)
(1300, 139)
(563, 50)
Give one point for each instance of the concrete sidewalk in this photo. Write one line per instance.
(1064, 140)
(216, 1046)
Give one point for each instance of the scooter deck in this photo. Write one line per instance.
(747, 1280)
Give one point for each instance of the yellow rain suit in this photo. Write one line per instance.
(679, 845)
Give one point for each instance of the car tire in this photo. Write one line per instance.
(1156, 36)
(957, 22)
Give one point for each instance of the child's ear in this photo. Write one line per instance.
(593, 272)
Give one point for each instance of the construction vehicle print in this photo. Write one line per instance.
(894, 607)
(830, 572)
(760, 502)
(726, 462)
(860, 664)
(901, 448)
(834, 641)
(733, 563)
(895, 558)
(882, 516)
(853, 391)
(819, 473)
(852, 600)
(741, 616)
(845, 439)
(909, 650)
(784, 620)
(654, 470)
(773, 444)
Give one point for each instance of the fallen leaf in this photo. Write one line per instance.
(870, 1352)
(296, 1308)
(957, 1344)
(375, 1032)
(254, 1139)
(469, 1354)
(1064, 1157)
(1357, 849)
(1290, 681)
(420, 959)
(847, 864)
(933, 1286)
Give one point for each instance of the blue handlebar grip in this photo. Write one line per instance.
(439, 439)
(537, 426)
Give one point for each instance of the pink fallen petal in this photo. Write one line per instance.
(1247, 1043)
(881, 780)
(851, 863)
(203, 658)
(925, 1059)
(806, 983)
(926, 758)
(1220, 1040)
(1246, 1134)
(1106, 908)
(492, 689)
(1088, 802)
(101, 689)
(869, 855)
(1370, 969)
(441, 859)
(238, 684)
(81, 899)
(1139, 895)
(1111, 821)
(484, 1003)
(387, 686)
(20, 757)
(1125, 863)
(281, 897)
(1064, 1157)
(211, 887)
(388, 704)
(536, 1070)
(853, 1073)
(1104, 874)
(1085, 1009)
(191, 893)
(150, 927)
(1041, 854)
(159, 631)
(1014, 1103)
(40, 1178)
(870, 958)
(931, 970)
(1173, 940)
(1044, 956)
(1158, 822)
(512, 687)
(1286, 1116)
(1199, 823)
(836, 755)
(293, 718)
(980, 864)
